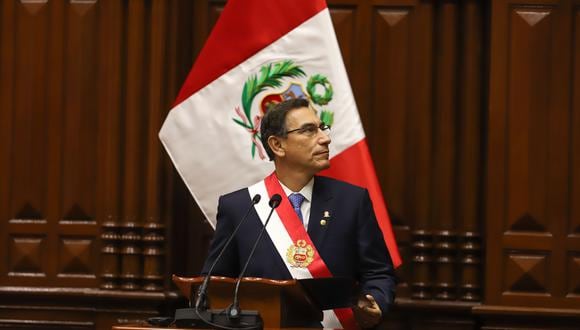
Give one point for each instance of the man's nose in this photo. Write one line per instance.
(323, 137)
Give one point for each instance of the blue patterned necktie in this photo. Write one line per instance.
(296, 199)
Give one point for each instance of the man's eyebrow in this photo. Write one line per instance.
(309, 124)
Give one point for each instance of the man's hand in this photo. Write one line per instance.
(367, 312)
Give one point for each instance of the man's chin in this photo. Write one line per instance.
(324, 165)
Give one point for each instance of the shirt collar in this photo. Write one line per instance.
(306, 191)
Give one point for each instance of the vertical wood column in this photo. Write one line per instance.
(572, 228)
(153, 256)
(422, 259)
(56, 106)
(7, 70)
(109, 96)
(153, 239)
(420, 157)
(135, 122)
(444, 148)
(110, 256)
(131, 255)
(470, 157)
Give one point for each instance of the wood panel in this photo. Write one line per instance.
(424, 129)
(84, 90)
(29, 227)
(530, 247)
(400, 93)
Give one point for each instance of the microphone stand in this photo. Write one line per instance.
(234, 318)
(233, 310)
(201, 302)
(188, 317)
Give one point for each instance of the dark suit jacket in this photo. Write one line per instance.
(351, 244)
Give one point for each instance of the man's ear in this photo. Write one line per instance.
(277, 146)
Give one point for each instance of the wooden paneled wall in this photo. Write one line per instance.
(472, 113)
(82, 100)
(532, 213)
(84, 88)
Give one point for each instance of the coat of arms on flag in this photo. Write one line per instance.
(271, 76)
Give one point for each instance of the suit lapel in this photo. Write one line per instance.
(320, 208)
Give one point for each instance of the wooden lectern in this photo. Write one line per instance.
(281, 303)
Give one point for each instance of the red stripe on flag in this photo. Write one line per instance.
(244, 28)
(355, 166)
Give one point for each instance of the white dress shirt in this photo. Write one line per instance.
(306, 191)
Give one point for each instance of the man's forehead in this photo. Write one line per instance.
(302, 115)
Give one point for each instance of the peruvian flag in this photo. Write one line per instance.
(259, 53)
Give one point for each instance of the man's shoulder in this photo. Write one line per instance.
(338, 185)
(240, 195)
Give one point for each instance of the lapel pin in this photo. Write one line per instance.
(325, 217)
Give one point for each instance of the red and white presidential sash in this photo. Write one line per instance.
(295, 246)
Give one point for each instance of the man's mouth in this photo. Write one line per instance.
(322, 153)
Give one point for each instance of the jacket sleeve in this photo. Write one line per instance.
(376, 272)
(228, 263)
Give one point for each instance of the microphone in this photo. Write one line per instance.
(274, 203)
(233, 310)
(201, 302)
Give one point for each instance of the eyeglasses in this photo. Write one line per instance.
(311, 129)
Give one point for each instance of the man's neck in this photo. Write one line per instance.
(293, 179)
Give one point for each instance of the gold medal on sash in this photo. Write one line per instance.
(300, 254)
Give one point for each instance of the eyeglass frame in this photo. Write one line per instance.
(303, 130)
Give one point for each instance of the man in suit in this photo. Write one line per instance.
(337, 233)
